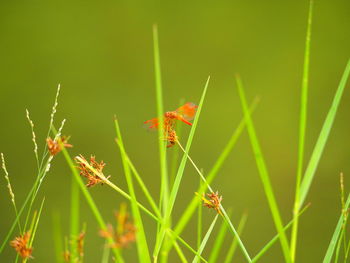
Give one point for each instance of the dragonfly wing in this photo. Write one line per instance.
(188, 111)
(151, 124)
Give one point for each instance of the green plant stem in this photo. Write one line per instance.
(263, 172)
(302, 131)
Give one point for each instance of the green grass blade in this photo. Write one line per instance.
(57, 236)
(276, 237)
(219, 240)
(173, 235)
(33, 227)
(205, 239)
(36, 223)
(232, 249)
(15, 222)
(105, 253)
(141, 240)
(164, 186)
(336, 234)
(142, 185)
(323, 137)
(179, 175)
(186, 216)
(160, 115)
(74, 216)
(199, 222)
(302, 131)
(180, 253)
(264, 175)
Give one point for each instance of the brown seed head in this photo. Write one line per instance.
(66, 256)
(85, 171)
(20, 244)
(214, 201)
(123, 234)
(80, 242)
(55, 146)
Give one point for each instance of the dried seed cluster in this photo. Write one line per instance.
(20, 244)
(92, 176)
(123, 234)
(214, 201)
(55, 146)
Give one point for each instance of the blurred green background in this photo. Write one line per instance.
(101, 53)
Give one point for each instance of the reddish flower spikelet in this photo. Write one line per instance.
(80, 245)
(124, 234)
(55, 146)
(66, 256)
(85, 171)
(20, 244)
(214, 201)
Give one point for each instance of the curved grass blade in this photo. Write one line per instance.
(302, 131)
(234, 244)
(219, 240)
(323, 137)
(264, 175)
(74, 216)
(142, 184)
(336, 234)
(57, 234)
(205, 239)
(276, 237)
(142, 246)
(180, 253)
(172, 234)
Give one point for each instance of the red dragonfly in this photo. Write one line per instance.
(185, 114)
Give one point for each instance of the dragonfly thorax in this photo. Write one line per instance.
(171, 115)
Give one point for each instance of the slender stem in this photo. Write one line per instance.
(224, 214)
(302, 131)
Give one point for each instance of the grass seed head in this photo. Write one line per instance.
(214, 201)
(123, 234)
(55, 146)
(20, 244)
(92, 175)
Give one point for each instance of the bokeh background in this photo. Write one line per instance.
(101, 53)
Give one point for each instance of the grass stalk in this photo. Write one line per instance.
(142, 185)
(57, 234)
(219, 240)
(230, 253)
(276, 238)
(264, 175)
(302, 131)
(205, 239)
(74, 216)
(142, 246)
(323, 137)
